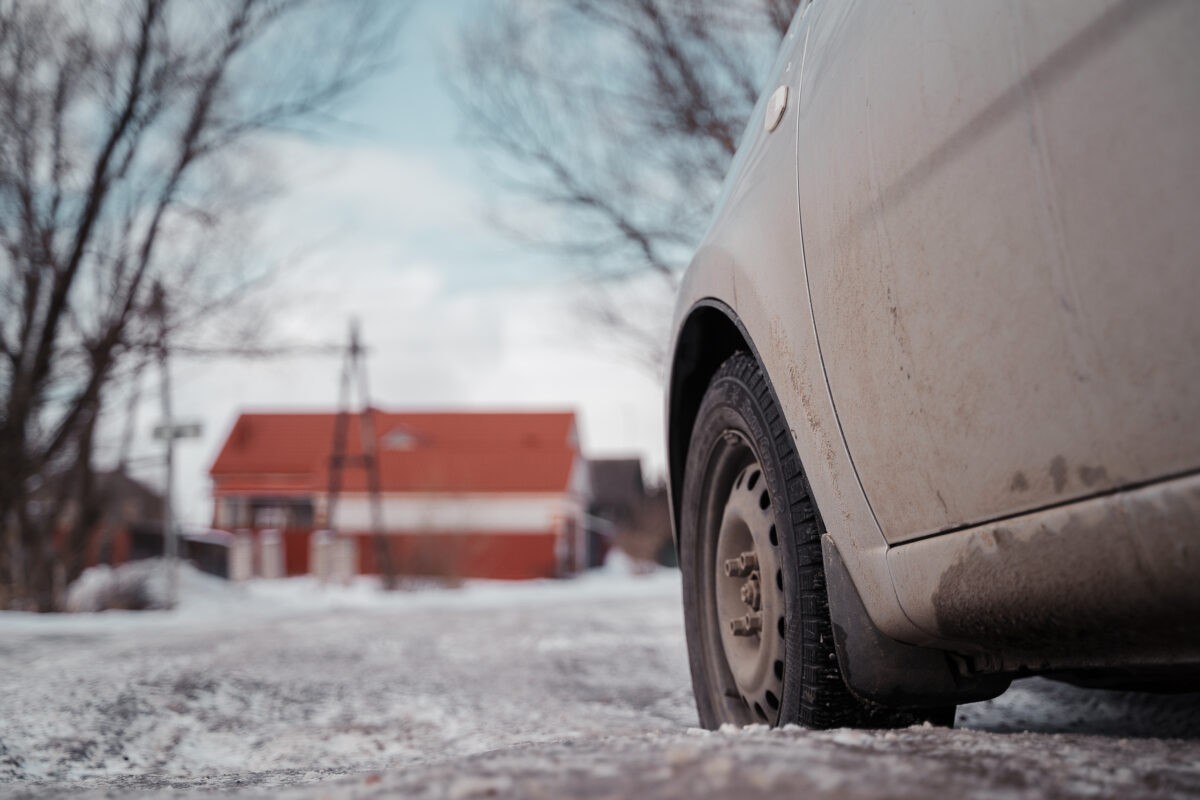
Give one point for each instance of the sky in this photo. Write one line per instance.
(385, 220)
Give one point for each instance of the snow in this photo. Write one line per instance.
(206, 599)
(551, 688)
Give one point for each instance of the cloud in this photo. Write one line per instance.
(368, 190)
(442, 333)
(434, 349)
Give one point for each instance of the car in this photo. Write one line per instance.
(934, 382)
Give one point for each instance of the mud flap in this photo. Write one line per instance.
(882, 670)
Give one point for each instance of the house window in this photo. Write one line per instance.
(399, 439)
(231, 513)
(281, 512)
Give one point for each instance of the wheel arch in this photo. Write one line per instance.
(709, 335)
(877, 668)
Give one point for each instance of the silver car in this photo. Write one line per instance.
(934, 399)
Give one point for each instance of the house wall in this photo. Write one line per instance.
(463, 554)
(512, 555)
(459, 512)
(457, 536)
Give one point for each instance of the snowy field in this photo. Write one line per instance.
(548, 689)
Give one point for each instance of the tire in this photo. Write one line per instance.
(750, 550)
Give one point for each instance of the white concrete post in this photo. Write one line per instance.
(241, 557)
(270, 554)
(345, 559)
(562, 548)
(320, 556)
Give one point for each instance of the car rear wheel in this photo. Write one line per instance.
(760, 641)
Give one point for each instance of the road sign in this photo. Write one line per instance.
(182, 430)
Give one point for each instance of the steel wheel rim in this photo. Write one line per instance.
(745, 586)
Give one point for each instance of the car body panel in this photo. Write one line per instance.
(998, 336)
(985, 276)
(773, 312)
(1109, 581)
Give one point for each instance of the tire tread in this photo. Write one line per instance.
(825, 700)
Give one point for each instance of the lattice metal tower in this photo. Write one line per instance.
(354, 372)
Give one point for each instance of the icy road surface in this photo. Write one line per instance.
(575, 688)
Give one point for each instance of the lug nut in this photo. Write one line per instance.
(742, 566)
(749, 625)
(751, 592)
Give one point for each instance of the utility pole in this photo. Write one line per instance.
(158, 304)
(354, 370)
(168, 431)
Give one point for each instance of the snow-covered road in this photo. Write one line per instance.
(570, 688)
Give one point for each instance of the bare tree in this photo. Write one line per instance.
(610, 124)
(130, 131)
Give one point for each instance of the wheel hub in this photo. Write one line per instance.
(749, 596)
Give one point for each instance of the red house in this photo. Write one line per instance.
(497, 495)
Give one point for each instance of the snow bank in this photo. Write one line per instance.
(130, 586)
(138, 586)
(307, 594)
(204, 599)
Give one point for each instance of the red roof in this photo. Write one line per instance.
(418, 452)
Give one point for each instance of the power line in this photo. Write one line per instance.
(253, 352)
